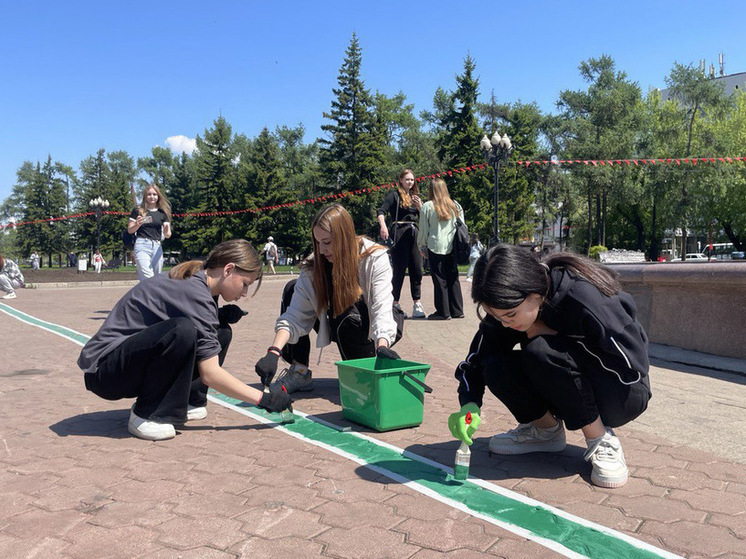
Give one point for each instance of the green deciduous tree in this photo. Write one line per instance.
(605, 120)
(697, 95)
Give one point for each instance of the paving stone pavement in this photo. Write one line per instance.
(75, 485)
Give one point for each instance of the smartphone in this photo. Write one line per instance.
(147, 218)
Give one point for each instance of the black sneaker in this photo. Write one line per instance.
(436, 316)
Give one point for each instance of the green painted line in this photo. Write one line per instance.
(525, 515)
(66, 333)
(555, 529)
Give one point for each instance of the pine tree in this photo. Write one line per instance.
(458, 147)
(215, 178)
(352, 156)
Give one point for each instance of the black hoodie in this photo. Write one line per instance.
(605, 327)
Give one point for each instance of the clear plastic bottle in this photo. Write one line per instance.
(463, 457)
(461, 464)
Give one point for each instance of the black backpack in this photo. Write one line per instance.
(461, 245)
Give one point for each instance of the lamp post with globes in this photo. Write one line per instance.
(99, 205)
(496, 151)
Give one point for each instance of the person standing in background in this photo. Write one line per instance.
(151, 222)
(437, 230)
(402, 206)
(98, 261)
(477, 248)
(34, 260)
(270, 254)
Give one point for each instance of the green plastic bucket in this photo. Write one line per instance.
(380, 393)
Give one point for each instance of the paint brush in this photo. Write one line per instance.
(463, 457)
(287, 416)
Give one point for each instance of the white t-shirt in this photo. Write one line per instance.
(270, 250)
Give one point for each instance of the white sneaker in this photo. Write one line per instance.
(10, 296)
(607, 459)
(469, 279)
(195, 413)
(527, 438)
(295, 379)
(418, 311)
(150, 430)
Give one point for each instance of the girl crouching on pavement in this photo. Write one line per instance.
(343, 292)
(163, 342)
(582, 358)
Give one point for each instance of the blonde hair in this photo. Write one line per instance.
(236, 251)
(163, 203)
(444, 206)
(337, 286)
(405, 197)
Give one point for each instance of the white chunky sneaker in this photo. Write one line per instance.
(607, 459)
(195, 413)
(527, 438)
(10, 296)
(418, 311)
(150, 430)
(295, 379)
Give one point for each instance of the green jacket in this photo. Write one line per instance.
(434, 234)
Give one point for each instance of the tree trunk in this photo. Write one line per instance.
(654, 251)
(590, 216)
(602, 220)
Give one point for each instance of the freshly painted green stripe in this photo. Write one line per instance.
(535, 519)
(55, 328)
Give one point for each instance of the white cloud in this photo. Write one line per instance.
(181, 144)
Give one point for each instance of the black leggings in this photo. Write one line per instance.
(349, 330)
(406, 254)
(158, 367)
(554, 374)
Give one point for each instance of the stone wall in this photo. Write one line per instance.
(698, 306)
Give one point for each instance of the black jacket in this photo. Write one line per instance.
(605, 327)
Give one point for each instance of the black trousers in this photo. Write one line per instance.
(448, 298)
(406, 254)
(555, 374)
(158, 367)
(349, 330)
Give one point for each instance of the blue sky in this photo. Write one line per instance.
(78, 75)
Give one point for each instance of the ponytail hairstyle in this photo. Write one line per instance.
(337, 286)
(405, 197)
(236, 251)
(163, 203)
(444, 206)
(506, 274)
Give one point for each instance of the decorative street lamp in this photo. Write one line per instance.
(99, 205)
(496, 151)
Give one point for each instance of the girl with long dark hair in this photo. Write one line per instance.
(560, 346)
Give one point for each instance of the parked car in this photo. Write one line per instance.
(737, 255)
(695, 256)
